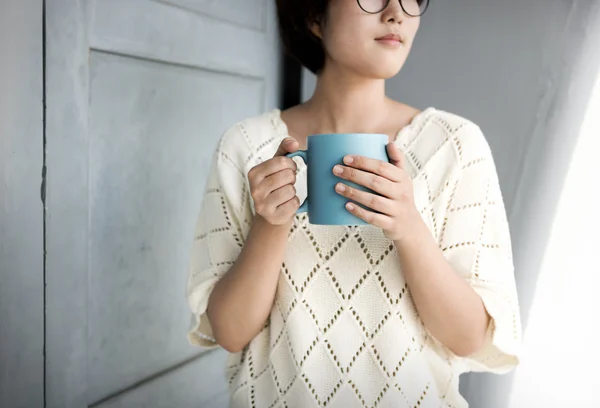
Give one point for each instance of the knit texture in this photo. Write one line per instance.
(343, 330)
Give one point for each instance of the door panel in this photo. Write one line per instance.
(251, 14)
(160, 31)
(153, 128)
(179, 388)
(138, 94)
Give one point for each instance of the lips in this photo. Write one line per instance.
(390, 37)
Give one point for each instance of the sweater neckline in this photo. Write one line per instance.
(401, 136)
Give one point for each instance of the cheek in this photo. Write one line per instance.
(346, 42)
(412, 29)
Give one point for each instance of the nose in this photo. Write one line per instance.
(393, 13)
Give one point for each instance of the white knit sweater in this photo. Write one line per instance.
(343, 330)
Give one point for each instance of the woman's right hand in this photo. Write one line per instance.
(272, 185)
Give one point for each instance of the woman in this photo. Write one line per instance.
(388, 314)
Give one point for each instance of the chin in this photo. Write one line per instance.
(391, 72)
(383, 71)
(384, 67)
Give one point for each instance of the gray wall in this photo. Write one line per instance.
(21, 209)
(522, 70)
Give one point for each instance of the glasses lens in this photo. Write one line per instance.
(372, 6)
(414, 8)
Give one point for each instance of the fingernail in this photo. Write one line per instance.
(349, 159)
(338, 170)
(350, 206)
(340, 188)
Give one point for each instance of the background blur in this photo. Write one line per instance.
(110, 111)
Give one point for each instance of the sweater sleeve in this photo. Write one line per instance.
(220, 233)
(475, 239)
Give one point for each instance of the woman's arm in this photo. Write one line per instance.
(446, 303)
(242, 300)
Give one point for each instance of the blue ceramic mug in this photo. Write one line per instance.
(323, 204)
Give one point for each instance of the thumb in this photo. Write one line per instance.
(395, 155)
(287, 145)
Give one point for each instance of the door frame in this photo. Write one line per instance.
(67, 203)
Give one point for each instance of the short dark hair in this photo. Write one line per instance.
(295, 18)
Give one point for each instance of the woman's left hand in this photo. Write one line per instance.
(395, 205)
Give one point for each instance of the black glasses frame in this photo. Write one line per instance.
(387, 3)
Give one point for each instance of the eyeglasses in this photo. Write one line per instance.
(413, 8)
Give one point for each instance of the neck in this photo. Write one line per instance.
(344, 102)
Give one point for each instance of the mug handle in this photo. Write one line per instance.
(303, 154)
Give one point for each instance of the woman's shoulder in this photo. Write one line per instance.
(434, 130)
(433, 119)
(254, 130)
(251, 135)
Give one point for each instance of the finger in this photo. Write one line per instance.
(281, 196)
(287, 145)
(381, 168)
(373, 201)
(279, 162)
(395, 155)
(378, 184)
(289, 208)
(375, 219)
(260, 172)
(278, 180)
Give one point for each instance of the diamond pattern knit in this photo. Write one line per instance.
(343, 330)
